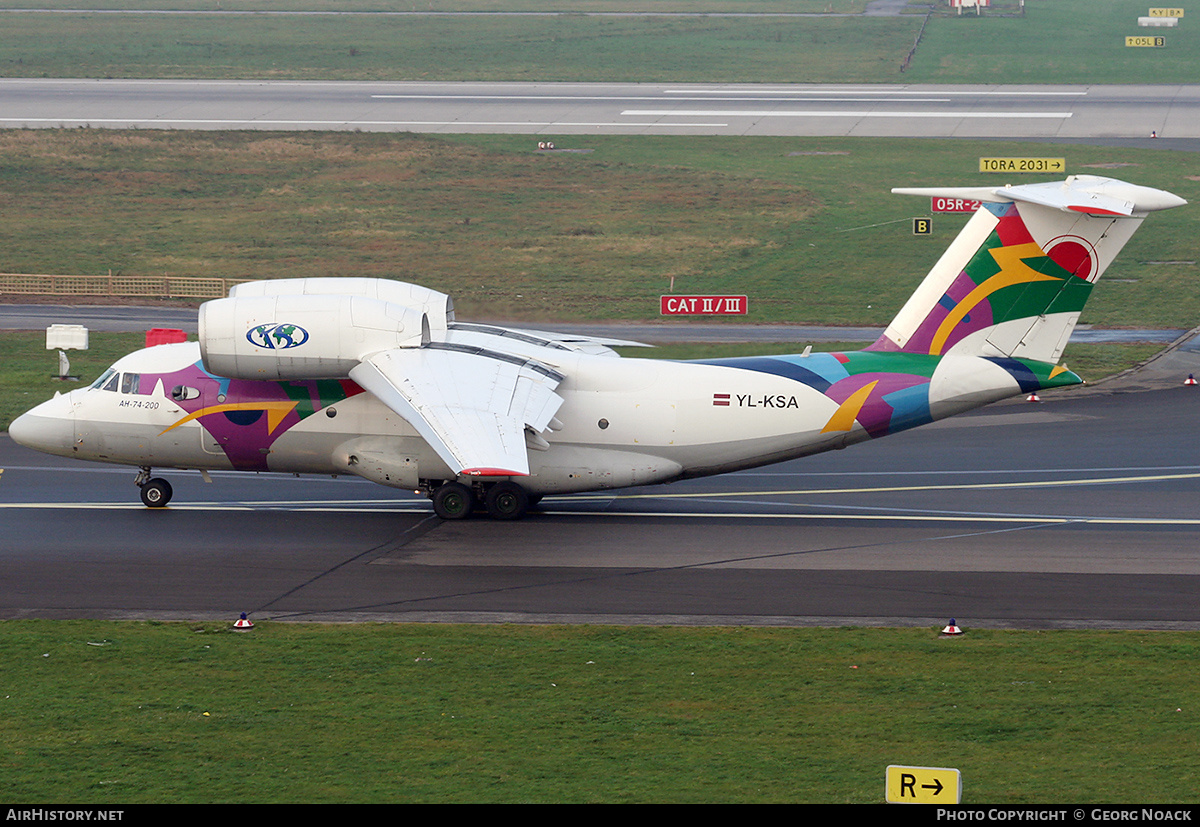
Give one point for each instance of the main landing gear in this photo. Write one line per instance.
(503, 500)
(156, 492)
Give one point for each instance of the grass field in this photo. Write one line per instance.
(1059, 41)
(1056, 41)
(807, 228)
(120, 713)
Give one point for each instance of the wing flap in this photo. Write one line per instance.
(471, 405)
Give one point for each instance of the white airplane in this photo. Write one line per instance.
(376, 378)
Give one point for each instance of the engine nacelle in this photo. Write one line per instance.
(302, 336)
(438, 306)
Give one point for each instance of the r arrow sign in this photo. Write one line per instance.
(923, 785)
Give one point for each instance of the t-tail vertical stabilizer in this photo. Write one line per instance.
(1012, 285)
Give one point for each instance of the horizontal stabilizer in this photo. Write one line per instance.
(1088, 194)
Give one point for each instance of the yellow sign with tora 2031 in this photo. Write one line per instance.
(1054, 165)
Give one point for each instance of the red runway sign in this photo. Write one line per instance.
(702, 305)
(940, 204)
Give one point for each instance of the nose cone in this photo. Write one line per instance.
(50, 427)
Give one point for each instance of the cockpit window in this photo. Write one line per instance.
(130, 382)
(104, 377)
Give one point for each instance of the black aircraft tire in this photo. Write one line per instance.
(156, 493)
(453, 501)
(506, 501)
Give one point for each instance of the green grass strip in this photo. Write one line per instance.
(120, 713)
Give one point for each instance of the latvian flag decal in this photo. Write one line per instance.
(721, 399)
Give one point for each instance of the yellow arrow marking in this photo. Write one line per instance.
(276, 411)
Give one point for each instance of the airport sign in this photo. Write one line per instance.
(923, 785)
(942, 204)
(1055, 165)
(702, 305)
(1154, 42)
(1165, 13)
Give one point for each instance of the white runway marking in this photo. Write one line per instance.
(597, 98)
(735, 113)
(871, 90)
(244, 122)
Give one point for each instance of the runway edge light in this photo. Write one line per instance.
(951, 629)
(1033, 397)
(1191, 380)
(243, 623)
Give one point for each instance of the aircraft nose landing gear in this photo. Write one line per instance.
(156, 492)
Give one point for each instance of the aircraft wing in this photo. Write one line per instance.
(472, 405)
(584, 342)
(593, 345)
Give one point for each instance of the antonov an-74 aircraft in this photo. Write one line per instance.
(376, 378)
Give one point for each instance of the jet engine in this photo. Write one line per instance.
(308, 336)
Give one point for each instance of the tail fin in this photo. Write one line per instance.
(1015, 280)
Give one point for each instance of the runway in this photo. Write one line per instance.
(1039, 112)
(1078, 512)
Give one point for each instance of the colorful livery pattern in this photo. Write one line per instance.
(884, 393)
(244, 418)
(1009, 278)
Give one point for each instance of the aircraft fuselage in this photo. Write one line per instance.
(623, 422)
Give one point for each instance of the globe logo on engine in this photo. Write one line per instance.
(277, 336)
